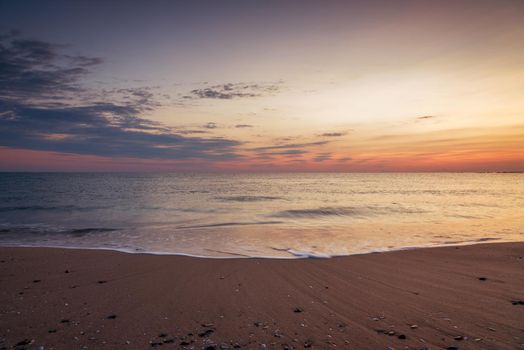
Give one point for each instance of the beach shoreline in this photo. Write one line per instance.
(433, 298)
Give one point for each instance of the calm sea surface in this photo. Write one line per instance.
(275, 215)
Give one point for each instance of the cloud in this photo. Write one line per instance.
(288, 149)
(210, 125)
(143, 98)
(37, 70)
(333, 134)
(322, 157)
(426, 117)
(230, 91)
(103, 130)
(291, 145)
(243, 126)
(290, 152)
(190, 131)
(44, 106)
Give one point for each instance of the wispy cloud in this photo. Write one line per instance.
(322, 157)
(230, 91)
(240, 126)
(291, 145)
(333, 134)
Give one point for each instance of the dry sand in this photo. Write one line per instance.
(436, 298)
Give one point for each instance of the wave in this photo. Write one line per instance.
(49, 208)
(318, 212)
(303, 253)
(233, 223)
(45, 230)
(346, 211)
(84, 231)
(248, 198)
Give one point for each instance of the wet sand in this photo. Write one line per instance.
(438, 298)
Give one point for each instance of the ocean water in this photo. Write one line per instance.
(259, 215)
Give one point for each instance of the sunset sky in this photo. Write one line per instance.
(262, 85)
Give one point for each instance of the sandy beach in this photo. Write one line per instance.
(467, 297)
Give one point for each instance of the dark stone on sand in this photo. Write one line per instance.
(37, 281)
(452, 348)
(66, 271)
(102, 282)
(483, 279)
(401, 336)
(258, 324)
(308, 344)
(517, 302)
(162, 335)
(168, 341)
(64, 321)
(298, 309)
(155, 344)
(184, 343)
(206, 333)
(210, 347)
(51, 331)
(111, 317)
(24, 342)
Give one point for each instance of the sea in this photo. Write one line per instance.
(295, 215)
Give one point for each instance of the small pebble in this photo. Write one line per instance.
(205, 333)
(24, 342)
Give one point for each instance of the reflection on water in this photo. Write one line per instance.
(281, 215)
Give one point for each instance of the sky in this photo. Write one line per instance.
(262, 86)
